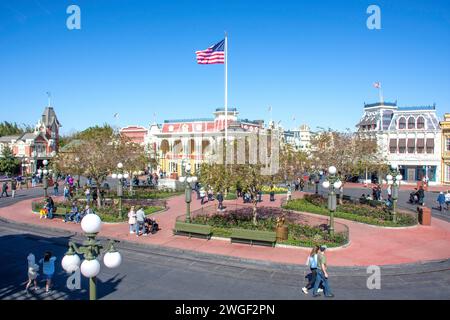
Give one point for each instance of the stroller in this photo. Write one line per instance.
(413, 198)
(150, 226)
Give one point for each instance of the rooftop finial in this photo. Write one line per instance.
(48, 97)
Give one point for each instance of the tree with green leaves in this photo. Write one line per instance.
(97, 154)
(12, 128)
(8, 163)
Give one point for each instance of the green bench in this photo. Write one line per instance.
(191, 229)
(254, 236)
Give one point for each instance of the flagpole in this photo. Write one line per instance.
(380, 92)
(226, 88)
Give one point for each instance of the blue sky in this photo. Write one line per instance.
(312, 60)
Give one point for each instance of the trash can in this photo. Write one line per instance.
(282, 233)
(424, 215)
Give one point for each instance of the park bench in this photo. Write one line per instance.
(253, 236)
(345, 197)
(192, 229)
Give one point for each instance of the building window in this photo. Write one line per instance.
(420, 145)
(430, 145)
(402, 145)
(447, 144)
(420, 123)
(411, 123)
(411, 145)
(393, 146)
(447, 173)
(402, 123)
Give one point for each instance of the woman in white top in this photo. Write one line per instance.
(132, 219)
(33, 269)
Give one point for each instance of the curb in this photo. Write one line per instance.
(195, 256)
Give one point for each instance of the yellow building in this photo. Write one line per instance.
(445, 126)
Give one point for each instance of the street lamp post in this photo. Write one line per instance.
(332, 183)
(45, 173)
(120, 176)
(188, 179)
(393, 179)
(91, 249)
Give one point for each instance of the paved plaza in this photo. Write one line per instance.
(368, 244)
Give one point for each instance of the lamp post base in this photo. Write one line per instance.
(93, 288)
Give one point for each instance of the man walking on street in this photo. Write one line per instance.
(4, 189)
(322, 274)
(220, 200)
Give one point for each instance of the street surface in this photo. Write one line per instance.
(159, 273)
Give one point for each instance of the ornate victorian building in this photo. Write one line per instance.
(179, 141)
(409, 137)
(33, 148)
(299, 138)
(445, 165)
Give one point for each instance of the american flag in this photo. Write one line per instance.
(214, 54)
(377, 85)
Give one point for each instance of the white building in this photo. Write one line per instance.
(300, 138)
(408, 137)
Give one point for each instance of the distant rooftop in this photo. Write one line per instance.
(189, 120)
(381, 104)
(223, 109)
(417, 108)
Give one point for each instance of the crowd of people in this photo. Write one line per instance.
(318, 278)
(140, 224)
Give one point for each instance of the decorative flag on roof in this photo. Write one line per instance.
(212, 55)
(377, 85)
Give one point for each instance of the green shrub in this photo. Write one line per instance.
(299, 234)
(351, 211)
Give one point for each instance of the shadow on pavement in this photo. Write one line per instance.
(14, 277)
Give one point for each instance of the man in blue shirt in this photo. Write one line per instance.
(72, 215)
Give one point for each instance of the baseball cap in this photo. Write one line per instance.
(323, 247)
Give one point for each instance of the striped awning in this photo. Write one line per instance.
(393, 143)
(420, 143)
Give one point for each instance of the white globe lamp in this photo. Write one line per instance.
(45, 162)
(332, 170)
(120, 176)
(90, 268)
(114, 176)
(70, 262)
(112, 259)
(389, 177)
(326, 184)
(91, 223)
(399, 177)
(126, 175)
(120, 165)
(337, 184)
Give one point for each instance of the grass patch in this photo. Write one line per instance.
(354, 212)
(299, 234)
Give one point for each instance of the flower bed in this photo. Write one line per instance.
(277, 190)
(365, 213)
(300, 233)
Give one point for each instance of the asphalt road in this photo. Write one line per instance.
(23, 194)
(159, 273)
